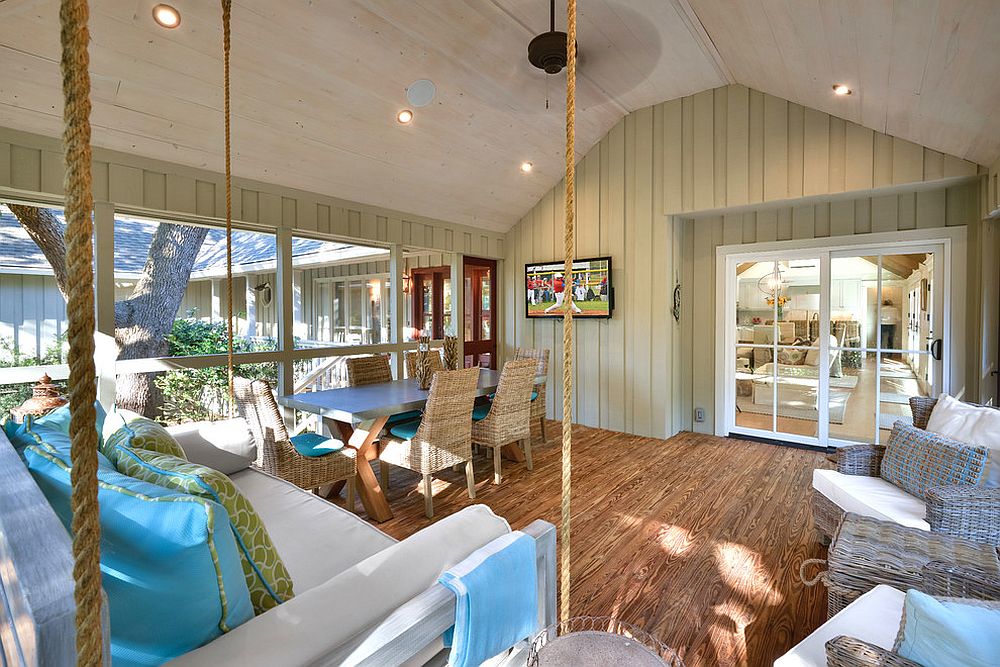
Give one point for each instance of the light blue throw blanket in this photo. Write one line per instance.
(496, 605)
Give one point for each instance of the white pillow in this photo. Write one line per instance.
(973, 425)
(812, 356)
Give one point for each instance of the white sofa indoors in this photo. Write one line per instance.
(362, 597)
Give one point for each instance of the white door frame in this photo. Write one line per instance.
(950, 240)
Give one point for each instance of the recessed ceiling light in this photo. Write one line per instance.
(841, 89)
(166, 16)
(526, 167)
(404, 116)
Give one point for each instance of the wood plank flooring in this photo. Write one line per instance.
(697, 539)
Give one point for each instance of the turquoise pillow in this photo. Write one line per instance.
(314, 444)
(943, 632)
(58, 419)
(169, 562)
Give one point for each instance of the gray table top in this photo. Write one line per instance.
(356, 404)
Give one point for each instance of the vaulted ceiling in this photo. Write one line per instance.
(317, 85)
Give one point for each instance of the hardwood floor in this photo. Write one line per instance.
(697, 539)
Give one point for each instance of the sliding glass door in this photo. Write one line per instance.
(827, 347)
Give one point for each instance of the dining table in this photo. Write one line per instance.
(357, 415)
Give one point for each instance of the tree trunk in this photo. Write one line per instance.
(47, 233)
(143, 320)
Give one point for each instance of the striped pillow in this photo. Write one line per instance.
(916, 460)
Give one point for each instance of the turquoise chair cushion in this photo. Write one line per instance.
(404, 417)
(314, 444)
(948, 632)
(406, 430)
(534, 395)
(169, 561)
(480, 411)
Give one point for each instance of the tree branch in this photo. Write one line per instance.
(47, 233)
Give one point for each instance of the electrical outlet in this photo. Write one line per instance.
(699, 414)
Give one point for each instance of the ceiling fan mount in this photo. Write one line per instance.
(547, 51)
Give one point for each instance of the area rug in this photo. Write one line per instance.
(799, 410)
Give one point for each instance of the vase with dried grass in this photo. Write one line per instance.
(451, 353)
(424, 373)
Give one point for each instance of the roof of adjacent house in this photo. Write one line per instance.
(252, 251)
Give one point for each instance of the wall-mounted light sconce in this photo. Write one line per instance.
(406, 283)
(264, 293)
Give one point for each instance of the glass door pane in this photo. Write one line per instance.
(753, 382)
(907, 333)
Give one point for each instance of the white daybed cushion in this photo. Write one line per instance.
(316, 539)
(972, 424)
(874, 618)
(871, 496)
(344, 610)
(226, 446)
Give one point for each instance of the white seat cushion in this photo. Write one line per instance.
(316, 539)
(874, 618)
(871, 496)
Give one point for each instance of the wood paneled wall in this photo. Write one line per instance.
(691, 157)
(32, 165)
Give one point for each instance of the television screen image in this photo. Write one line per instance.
(590, 287)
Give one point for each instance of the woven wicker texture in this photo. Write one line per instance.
(509, 419)
(964, 510)
(372, 369)
(276, 454)
(867, 552)
(916, 460)
(541, 357)
(939, 579)
(444, 437)
(410, 361)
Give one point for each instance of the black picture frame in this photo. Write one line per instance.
(559, 263)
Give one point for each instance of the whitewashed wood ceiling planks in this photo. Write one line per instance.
(317, 84)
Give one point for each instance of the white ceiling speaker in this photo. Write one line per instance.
(420, 93)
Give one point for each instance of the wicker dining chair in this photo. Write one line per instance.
(442, 438)
(538, 402)
(966, 510)
(410, 361)
(276, 452)
(507, 418)
(369, 369)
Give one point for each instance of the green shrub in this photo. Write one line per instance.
(202, 394)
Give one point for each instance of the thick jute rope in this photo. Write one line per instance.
(86, 527)
(568, 239)
(227, 6)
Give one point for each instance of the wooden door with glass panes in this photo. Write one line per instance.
(478, 312)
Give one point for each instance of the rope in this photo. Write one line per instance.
(86, 527)
(821, 577)
(568, 238)
(226, 47)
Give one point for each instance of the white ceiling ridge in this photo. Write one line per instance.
(705, 41)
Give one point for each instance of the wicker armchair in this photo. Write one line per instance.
(410, 362)
(538, 402)
(507, 418)
(370, 369)
(939, 579)
(277, 455)
(442, 438)
(968, 511)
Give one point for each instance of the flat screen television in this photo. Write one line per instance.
(593, 294)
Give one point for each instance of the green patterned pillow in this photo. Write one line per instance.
(266, 576)
(138, 432)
